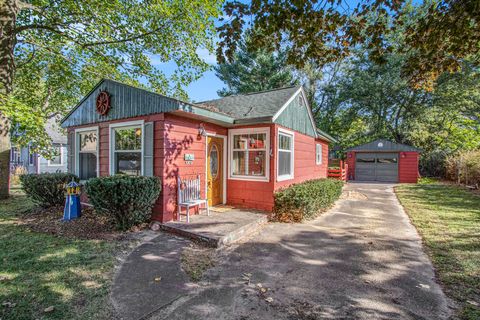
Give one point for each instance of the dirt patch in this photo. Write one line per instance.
(89, 226)
(196, 260)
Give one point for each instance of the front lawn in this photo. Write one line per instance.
(448, 219)
(43, 276)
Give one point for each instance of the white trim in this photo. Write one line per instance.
(49, 164)
(290, 134)
(279, 112)
(307, 105)
(224, 169)
(231, 133)
(30, 164)
(111, 141)
(77, 148)
(321, 154)
(309, 110)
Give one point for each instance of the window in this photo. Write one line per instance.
(15, 155)
(214, 162)
(87, 148)
(31, 157)
(127, 149)
(285, 155)
(365, 159)
(318, 153)
(386, 159)
(57, 158)
(249, 153)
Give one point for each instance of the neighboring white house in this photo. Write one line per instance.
(34, 163)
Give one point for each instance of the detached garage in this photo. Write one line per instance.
(383, 161)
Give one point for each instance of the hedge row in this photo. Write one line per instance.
(305, 200)
(126, 200)
(46, 189)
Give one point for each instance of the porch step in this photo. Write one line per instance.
(218, 229)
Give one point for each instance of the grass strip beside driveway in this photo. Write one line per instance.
(47, 277)
(448, 219)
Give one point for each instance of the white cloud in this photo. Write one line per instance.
(207, 56)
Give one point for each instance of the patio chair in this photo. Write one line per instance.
(189, 196)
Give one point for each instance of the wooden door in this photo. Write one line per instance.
(214, 170)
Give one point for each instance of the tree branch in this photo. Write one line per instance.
(132, 38)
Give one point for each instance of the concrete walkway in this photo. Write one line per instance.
(360, 260)
(150, 278)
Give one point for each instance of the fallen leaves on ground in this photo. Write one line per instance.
(196, 260)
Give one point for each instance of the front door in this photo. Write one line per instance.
(214, 170)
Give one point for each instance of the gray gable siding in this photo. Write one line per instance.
(253, 105)
(387, 146)
(296, 117)
(126, 102)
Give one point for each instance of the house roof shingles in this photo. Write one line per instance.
(252, 105)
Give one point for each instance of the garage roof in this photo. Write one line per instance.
(380, 145)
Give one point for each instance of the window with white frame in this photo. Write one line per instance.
(56, 160)
(285, 155)
(15, 155)
(126, 149)
(318, 154)
(249, 153)
(87, 151)
(31, 156)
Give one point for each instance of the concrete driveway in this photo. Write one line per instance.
(360, 260)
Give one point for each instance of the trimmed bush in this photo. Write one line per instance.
(306, 200)
(125, 199)
(46, 189)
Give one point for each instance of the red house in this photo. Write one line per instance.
(384, 161)
(243, 147)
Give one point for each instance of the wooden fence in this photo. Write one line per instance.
(339, 171)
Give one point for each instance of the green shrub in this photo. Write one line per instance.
(127, 200)
(305, 200)
(46, 189)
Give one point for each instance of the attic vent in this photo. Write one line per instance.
(380, 144)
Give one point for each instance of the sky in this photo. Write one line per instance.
(204, 88)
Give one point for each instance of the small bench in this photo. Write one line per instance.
(189, 196)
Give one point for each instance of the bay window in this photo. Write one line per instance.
(249, 154)
(285, 155)
(86, 153)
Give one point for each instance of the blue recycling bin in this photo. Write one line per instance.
(73, 208)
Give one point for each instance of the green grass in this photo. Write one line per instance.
(448, 219)
(39, 270)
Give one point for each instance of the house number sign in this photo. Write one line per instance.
(188, 157)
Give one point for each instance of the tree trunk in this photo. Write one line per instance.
(8, 15)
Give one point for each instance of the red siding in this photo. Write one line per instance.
(351, 165)
(174, 136)
(305, 167)
(408, 167)
(180, 136)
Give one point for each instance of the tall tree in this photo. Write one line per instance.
(375, 101)
(253, 70)
(326, 31)
(51, 52)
